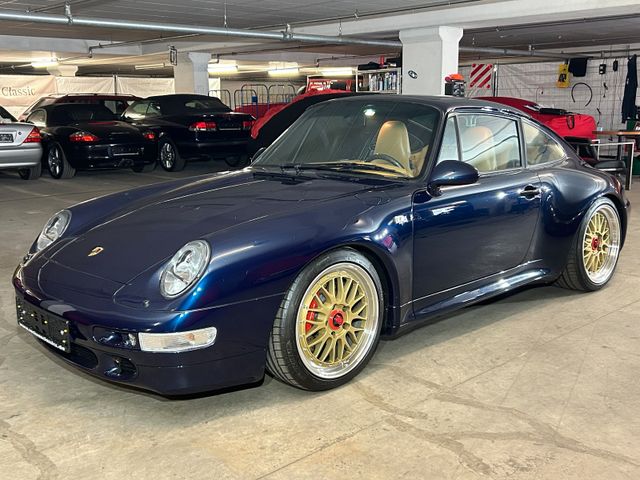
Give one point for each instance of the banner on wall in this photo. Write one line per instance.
(20, 91)
(144, 87)
(84, 85)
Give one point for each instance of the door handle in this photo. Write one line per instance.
(530, 192)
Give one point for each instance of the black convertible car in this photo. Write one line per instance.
(192, 127)
(84, 136)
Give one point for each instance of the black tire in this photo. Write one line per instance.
(32, 173)
(237, 161)
(144, 167)
(57, 163)
(168, 156)
(575, 275)
(284, 360)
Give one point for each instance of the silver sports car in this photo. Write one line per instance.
(20, 147)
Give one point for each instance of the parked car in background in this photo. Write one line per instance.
(272, 124)
(79, 136)
(116, 103)
(369, 216)
(191, 127)
(20, 147)
(564, 123)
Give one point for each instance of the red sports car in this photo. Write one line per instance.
(564, 123)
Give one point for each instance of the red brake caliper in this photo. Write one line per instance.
(311, 315)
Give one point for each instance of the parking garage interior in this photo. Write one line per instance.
(538, 382)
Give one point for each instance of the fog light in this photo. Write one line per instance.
(177, 342)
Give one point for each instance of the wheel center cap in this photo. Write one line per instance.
(595, 243)
(336, 319)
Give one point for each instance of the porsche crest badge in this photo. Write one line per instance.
(95, 251)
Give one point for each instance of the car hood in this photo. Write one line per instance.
(152, 229)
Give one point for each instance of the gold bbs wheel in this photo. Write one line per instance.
(338, 320)
(601, 244)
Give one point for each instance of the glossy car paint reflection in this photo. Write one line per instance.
(437, 253)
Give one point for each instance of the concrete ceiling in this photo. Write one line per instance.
(240, 13)
(583, 31)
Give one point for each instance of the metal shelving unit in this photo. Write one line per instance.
(386, 80)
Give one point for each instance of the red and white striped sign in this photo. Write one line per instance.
(481, 75)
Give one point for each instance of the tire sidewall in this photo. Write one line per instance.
(582, 272)
(60, 152)
(177, 161)
(302, 375)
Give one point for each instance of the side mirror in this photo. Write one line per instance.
(451, 172)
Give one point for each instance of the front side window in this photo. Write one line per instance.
(375, 137)
(488, 142)
(449, 149)
(541, 148)
(137, 111)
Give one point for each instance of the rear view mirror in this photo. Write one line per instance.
(451, 172)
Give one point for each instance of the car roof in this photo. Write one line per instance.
(178, 96)
(443, 103)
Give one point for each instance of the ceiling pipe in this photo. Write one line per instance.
(287, 35)
(507, 52)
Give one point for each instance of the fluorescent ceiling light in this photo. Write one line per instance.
(337, 72)
(153, 66)
(222, 68)
(284, 72)
(46, 62)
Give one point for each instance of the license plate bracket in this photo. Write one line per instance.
(46, 326)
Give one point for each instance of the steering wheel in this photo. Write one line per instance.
(386, 158)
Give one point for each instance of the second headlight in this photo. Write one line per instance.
(185, 268)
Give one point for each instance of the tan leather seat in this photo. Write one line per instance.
(478, 148)
(393, 140)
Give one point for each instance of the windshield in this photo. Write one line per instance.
(378, 137)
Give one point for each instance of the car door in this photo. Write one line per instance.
(471, 232)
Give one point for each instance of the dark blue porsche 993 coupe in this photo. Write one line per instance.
(366, 218)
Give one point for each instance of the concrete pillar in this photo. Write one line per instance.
(428, 56)
(191, 74)
(62, 70)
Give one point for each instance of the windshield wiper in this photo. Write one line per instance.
(346, 166)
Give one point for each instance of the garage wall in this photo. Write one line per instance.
(536, 81)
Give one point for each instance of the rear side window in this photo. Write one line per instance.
(38, 118)
(204, 104)
(541, 148)
(488, 142)
(155, 109)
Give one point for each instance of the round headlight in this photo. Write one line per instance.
(185, 268)
(53, 229)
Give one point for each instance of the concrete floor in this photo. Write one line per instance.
(542, 384)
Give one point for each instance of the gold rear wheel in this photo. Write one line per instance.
(337, 320)
(601, 244)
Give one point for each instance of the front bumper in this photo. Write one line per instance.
(236, 358)
(23, 156)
